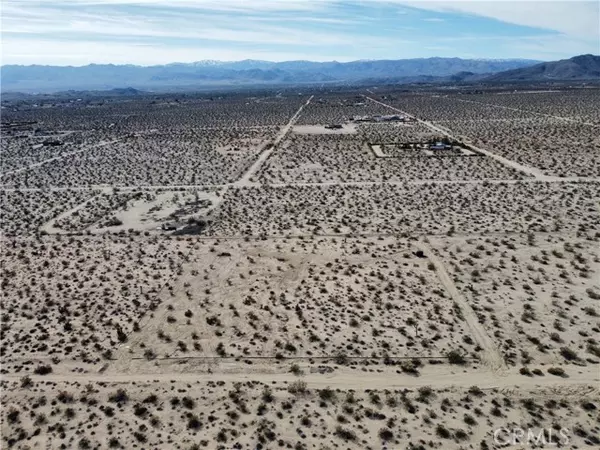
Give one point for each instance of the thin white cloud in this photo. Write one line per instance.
(132, 29)
(211, 5)
(76, 53)
(160, 31)
(76, 24)
(573, 18)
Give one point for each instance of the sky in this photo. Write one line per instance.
(149, 32)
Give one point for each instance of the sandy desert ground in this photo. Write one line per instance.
(186, 272)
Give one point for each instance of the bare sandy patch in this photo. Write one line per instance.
(347, 128)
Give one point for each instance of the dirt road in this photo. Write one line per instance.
(255, 167)
(491, 355)
(580, 379)
(568, 119)
(59, 157)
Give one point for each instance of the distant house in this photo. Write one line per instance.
(378, 118)
(51, 142)
(440, 146)
(392, 118)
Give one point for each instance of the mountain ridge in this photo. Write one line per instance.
(581, 67)
(41, 78)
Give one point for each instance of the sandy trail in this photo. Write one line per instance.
(108, 189)
(581, 379)
(531, 171)
(49, 227)
(59, 157)
(568, 119)
(491, 355)
(255, 167)
(442, 182)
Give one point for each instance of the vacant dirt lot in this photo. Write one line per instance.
(303, 298)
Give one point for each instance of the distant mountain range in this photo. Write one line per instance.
(206, 74)
(37, 78)
(583, 67)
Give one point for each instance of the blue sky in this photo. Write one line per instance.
(146, 32)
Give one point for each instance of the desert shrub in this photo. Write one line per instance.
(155, 421)
(194, 423)
(443, 432)
(461, 435)
(188, 402)
(12, 415)
(140, 437)
(385, 434)
(267, 395)
(140, 410)
(555, 337)
(594, 349)
(345, 434)
(295, 369)
(592, 294)
(476, 391)
(557, 371)
(525, 371)
(409, 367)
(65, 397)
(327, 394)
(297, 387)
(290, 347)
(221, 350)
(152, 398)
(469, 420)
(425, 392)
(455, 357)
(43, 370)
(120, 397)
(222, 436)
(341, 359)
(496, 411)
(588, 406)
(568, 354)
(305, 421)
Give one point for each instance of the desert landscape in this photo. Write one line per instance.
(350, 268)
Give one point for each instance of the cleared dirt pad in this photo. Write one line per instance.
(321, 129)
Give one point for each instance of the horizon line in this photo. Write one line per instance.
(278, 62)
